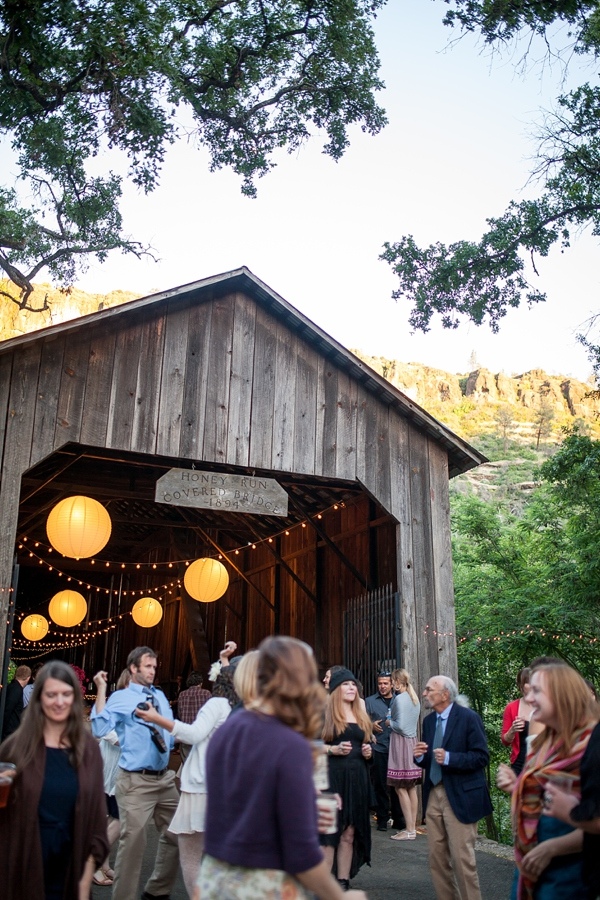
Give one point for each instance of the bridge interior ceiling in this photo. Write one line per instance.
(143, 530)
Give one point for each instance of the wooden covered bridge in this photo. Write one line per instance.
(223, 378)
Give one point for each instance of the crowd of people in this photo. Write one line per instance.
(246, 815)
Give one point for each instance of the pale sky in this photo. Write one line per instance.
(456, 150)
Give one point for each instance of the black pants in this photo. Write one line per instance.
(386, 797)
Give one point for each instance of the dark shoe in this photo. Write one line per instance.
(147, 896)
(344, 883)
(382, 827)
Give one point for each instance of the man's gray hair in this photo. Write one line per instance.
(448, 685)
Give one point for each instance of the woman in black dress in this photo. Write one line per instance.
(53, 830)
(348, 734)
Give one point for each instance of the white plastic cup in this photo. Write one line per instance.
(321, 766)
(328, 803)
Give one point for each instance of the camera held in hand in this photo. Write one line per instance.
(155, 736)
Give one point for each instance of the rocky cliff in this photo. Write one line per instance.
(51, 306)
(446, 394)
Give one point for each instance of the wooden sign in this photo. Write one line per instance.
(223, 492)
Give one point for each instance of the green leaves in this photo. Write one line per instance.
(481, 280)
(531, 585)
(528, 586)
(477, 281)
(502, 21)
(255, 76)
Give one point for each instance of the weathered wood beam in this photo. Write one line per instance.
(220, 550)
(288, 569)
(325, 537)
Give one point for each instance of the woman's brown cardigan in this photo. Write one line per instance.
(20, 845)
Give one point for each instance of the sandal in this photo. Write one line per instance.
(404, 836)
(101, 879)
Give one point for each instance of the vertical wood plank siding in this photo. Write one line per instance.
(73, 382)
(94, 424)
(196, 376)
(304, 443)
(51, 367)
(284, 407)
(401, 504)
(346, 426)
(263, 390)
(240, 384)
(217, 382)
(443, 585)
(6, 545)
(6, 365)
(223, 381)
(173, 373)
(15, 460)
(423, 554)
(150, 362)
(124, 387)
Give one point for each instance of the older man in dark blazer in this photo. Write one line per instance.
(454, 754)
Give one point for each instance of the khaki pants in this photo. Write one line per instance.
(142, 798)
(451, 850)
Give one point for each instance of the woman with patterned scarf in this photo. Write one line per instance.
(547, 851)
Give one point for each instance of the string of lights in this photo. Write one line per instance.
(528, 629)
(41, 547)
(99, 589)
(155, 566)
(44, 646)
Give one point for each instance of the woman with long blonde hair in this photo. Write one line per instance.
(548, 851)
(348, 732)
(403, 775)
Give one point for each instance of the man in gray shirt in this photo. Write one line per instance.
(378, 707)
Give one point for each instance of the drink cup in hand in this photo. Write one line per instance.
(7, 773)
(561, 782)
(327, 808)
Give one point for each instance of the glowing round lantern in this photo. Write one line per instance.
(78, 527)
(34, 627)
(67, 608)
(147, 612)
(206, 580)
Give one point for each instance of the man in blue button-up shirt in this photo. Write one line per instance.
(145, 786)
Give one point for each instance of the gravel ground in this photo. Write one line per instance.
(398, 871)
